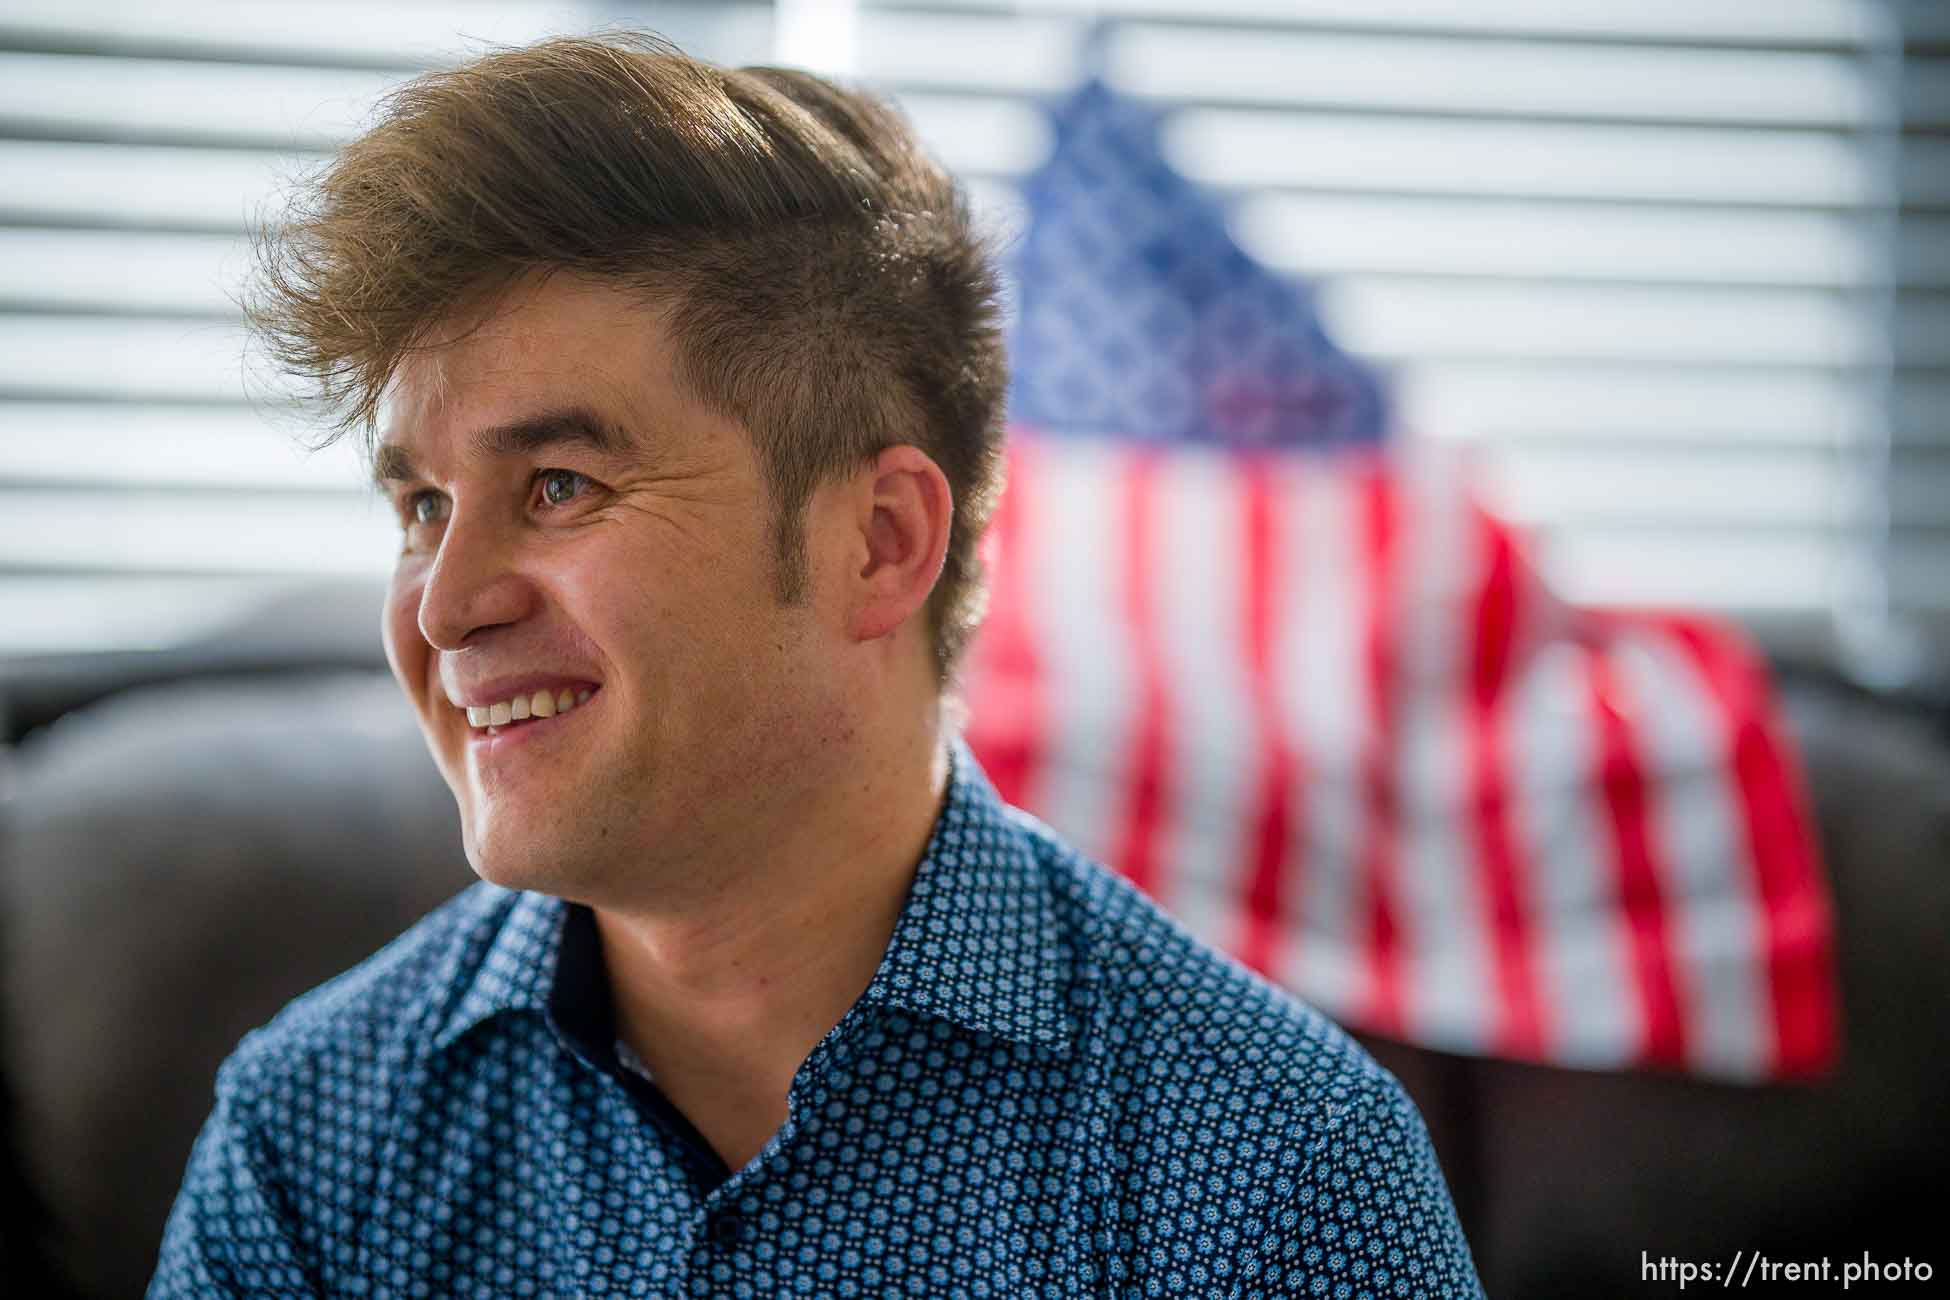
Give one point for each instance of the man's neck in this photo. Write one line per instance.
(724, 1001)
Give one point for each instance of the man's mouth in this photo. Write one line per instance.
(513, 712)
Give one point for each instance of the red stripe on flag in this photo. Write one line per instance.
(1635, 858)
(1519, 1032)
(1273, 857)
(1783, 849)
(1009, 735)
(1381, 832)
(1134, 842)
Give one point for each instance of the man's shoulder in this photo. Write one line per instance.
(1191, 1027)
(1233, 1111)
(384, 1010)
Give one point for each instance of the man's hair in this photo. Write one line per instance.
(823, 281)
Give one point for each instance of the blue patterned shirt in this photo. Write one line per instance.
(1048, 1089)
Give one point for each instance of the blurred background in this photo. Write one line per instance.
(1680, 270)
(1671, 276)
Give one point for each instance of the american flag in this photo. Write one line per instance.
(1283, 671)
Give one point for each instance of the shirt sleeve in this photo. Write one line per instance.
(230, 1234)
(1369, 1212)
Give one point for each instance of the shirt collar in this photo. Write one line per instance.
(518, 970)
(977, 942)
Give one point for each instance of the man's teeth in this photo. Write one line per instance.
(542, 704)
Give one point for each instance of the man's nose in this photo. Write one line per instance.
(475, 583)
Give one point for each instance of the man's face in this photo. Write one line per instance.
(577, 527)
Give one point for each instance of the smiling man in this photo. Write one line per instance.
(686, 386)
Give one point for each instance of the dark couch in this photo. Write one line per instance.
(188, 843)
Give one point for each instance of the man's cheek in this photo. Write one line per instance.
(407, 651)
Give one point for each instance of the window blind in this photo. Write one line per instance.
(1679, 270)
(152, 485)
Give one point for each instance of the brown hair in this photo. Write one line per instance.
(825, 285)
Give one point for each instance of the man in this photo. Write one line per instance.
(686, 386)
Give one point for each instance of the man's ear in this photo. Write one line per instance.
(902, 510)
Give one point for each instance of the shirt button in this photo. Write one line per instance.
(728, 1230)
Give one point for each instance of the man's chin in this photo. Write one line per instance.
(515, 867)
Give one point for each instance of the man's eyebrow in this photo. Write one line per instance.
(575, 425)
(392, 464)
(571, 426)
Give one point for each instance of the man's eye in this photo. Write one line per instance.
(425, 508)
(561, 486)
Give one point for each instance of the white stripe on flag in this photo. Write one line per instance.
(1716, 933)
(1324, 695)
(1196, 567)
(1073, 583)
(1449, 994)
(1589, 992)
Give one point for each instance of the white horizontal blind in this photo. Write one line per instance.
(1642, 255)
(1645, 255)
(1638, 254)
(150, 487)
(1915, 563)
